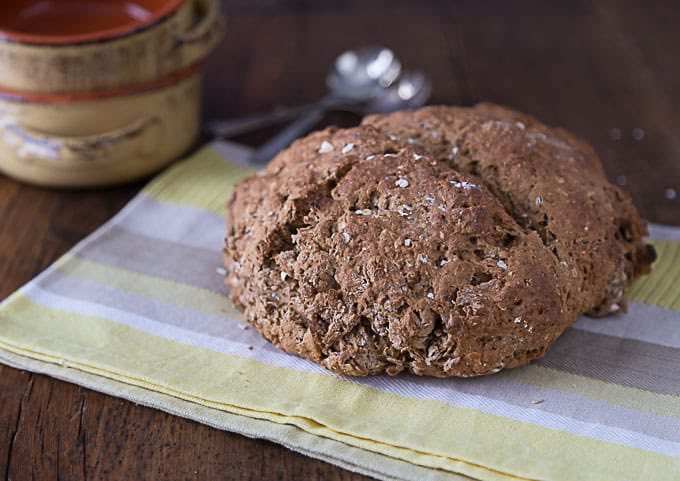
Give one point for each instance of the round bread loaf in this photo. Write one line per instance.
(445, 242)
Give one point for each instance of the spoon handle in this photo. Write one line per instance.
(249, 123)
(233, 127)
(280, 141)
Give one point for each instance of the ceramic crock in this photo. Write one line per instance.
(94, 139)
(91, 45)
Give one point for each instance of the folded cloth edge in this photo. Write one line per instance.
(291, 437)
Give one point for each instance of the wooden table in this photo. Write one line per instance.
(607, 70)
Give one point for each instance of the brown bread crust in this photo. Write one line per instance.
(377, 249)
(550, 182)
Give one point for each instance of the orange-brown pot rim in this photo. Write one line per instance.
(130, 28)
(65, 98)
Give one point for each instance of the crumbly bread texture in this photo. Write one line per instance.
(445, 241)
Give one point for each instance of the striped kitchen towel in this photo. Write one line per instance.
(139, 310)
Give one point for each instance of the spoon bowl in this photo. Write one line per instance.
(411, 91)
(361, 74)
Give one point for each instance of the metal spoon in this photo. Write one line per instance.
(412, 90)
(357, 76)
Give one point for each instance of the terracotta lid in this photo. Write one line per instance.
(61, 22)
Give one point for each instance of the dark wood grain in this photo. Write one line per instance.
(601, 69)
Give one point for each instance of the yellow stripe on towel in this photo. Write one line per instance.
(429, 433)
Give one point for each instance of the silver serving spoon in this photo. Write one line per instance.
(412, 90)
(357, 76)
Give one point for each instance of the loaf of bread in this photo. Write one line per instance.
(444, 241)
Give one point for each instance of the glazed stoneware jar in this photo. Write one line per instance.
(99, 92)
